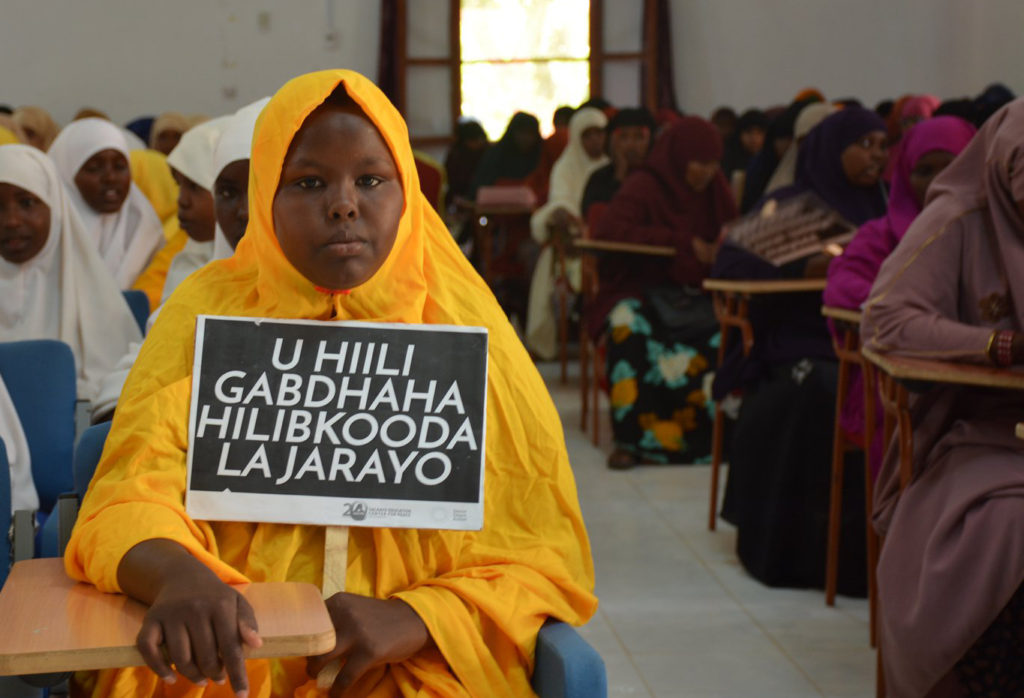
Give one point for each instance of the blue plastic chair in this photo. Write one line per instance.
(139, 305)
(566, 665)
(40, 376)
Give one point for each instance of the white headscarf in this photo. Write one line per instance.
(65, 292)
(23, 489)
(193, 157)
(127, 239)
(570, 172)
(235, 144)
(809, 117)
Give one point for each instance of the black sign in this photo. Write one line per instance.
(337, 423)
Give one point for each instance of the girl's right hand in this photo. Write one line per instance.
(195, 622)
(202, 624)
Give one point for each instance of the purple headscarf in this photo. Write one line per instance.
(819, 167)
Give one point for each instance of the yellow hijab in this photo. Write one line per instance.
(482, 594)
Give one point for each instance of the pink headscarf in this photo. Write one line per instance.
(921, 107)
(946, 133)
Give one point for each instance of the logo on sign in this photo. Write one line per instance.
(354, 510)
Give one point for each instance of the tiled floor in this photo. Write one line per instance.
(678, 615)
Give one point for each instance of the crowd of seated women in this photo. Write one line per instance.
(936, 193)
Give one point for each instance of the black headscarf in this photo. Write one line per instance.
(504, 160)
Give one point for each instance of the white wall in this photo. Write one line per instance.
(761, 52)
(136, 57)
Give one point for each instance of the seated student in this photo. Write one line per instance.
(23, 489)
(463, 158)
(92, 158)
(231, 188)
(552, 149)
(925, 151)
(229, 205)
(810, 116)
(167, 130)
(725, 120)
(514, 157)
(583, 155)
(745, 143)
(38, 126)
(53, 285)
(949, 578)
(781, 446)
(630, 133)
(191, 163)
(777, 139)
(912, 110)
(426, 612)
(660, 366)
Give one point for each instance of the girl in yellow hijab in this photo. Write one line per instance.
(338, 229)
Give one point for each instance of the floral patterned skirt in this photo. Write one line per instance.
(660, 388)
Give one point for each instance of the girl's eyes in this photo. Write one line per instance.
(309, 183)
(27, 202)
(369, 181)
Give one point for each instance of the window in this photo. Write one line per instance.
(523, 55)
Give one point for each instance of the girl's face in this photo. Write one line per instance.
(699, 174)
(927, 167)
(166, 140)
(864, 160)
(24, 224)
(340, 199)
(195, 209)
(104, 181)
(231, 200)
(593, 142)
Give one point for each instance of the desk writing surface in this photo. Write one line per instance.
(853, 317)
(629, 247)
(53, 624)
(755, 287)
(930, 370)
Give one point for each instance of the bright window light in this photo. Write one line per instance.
(523, 55)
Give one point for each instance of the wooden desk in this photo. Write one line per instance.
(731, 299)
(53, 624)
(754, 288)
(588, 245)
(482, 234)
(931, 371)
(845, 315)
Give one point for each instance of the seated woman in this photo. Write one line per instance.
(583, 154)
(949, 578)
(925, 151)
(745, 143)
(53, 284)
(167, 130)
(38, 126)
(231, 187)
(514, 157)
(426, 612)
(462, 160)
(630, 134)
(780, 450)
(661, 326)
(92, 158)
(191, 163)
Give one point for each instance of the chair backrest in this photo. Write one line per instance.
(432, 178)
(87, 455)
(5, 513)
(566, 665)
(41, 379)
(139, 305)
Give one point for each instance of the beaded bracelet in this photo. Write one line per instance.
(1004, 348)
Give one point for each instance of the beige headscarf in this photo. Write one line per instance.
(38, 126)
(168, 121)
(810, 116)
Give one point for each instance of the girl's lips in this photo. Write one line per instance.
(15, 243)
(346, 248)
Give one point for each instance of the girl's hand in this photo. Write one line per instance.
(370, 632)
(195, 621)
